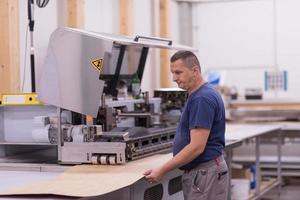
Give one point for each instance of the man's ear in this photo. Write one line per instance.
(195, 68)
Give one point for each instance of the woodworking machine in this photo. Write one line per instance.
(84, 74)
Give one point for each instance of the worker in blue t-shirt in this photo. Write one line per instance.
(199, 141)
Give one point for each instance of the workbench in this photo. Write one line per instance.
(245, 132)
(290, 140)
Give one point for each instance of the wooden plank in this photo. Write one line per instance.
(270, 107)
(264, 185)
(165, 80)
(266, 105)
(9, 46)
(126, 17)
(75, 13)
(126, 28)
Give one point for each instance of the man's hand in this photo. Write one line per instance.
(199, 138)
(154, 175)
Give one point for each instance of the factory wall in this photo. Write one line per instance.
(247, 38)
(243, 40)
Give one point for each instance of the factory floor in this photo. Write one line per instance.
(290, 190)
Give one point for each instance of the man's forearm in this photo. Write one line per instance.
(187, 154)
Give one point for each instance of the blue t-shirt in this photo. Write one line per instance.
(204, 109)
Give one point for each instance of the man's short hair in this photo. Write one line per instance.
(188, 58)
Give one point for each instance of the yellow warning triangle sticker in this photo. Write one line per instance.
(98, 64)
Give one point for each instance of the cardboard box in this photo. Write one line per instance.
(241, 173)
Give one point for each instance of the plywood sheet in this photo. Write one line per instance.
(92, 180)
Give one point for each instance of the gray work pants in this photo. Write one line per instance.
(207, 181)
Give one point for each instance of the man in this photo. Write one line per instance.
(199, 141)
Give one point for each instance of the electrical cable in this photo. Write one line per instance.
(25, 59)
(42, 4)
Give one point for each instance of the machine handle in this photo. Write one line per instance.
(136, 39)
